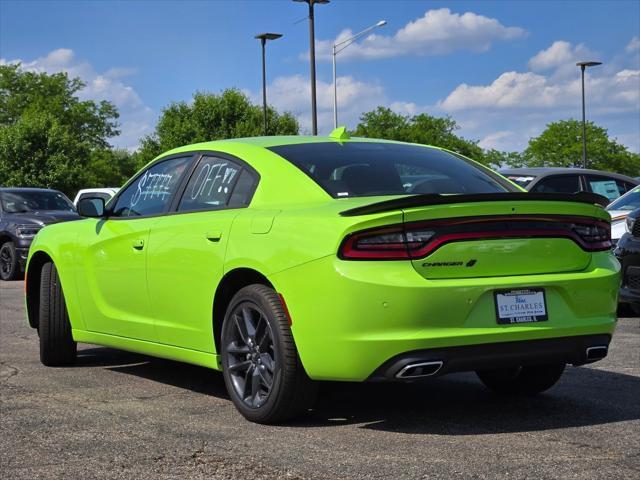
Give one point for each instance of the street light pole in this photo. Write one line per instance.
(583, 66)
(344, 44)
(263, 37)
(312, 59)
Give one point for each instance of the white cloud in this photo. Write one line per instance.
(496, 140)
(136, 119)
(633, 45)
(292, 93)
(438, 32)
(524, 102)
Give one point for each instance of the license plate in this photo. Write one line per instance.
(520, 306)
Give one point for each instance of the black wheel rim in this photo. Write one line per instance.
(6, 261)
(250, 355)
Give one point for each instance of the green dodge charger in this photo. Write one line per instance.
(285, 261)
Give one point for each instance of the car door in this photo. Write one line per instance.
(187, 250)
(113, 252)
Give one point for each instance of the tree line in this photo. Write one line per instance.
(49, 137)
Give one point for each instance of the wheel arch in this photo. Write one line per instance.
(32, 284)
(232, 281)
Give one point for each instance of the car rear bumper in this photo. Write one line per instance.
(350, 318)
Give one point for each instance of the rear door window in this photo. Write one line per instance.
(606, 186)
(558, 184)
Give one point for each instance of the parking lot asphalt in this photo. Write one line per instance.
(122, 415)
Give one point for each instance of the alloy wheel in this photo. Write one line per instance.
(251, 355)
(6, 261)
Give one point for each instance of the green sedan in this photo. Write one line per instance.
(285, 261)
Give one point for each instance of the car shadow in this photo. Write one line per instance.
(456, 404)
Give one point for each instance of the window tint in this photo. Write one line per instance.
(371, 168)
(558, 184)
(605, 186)
(243, 191)
(21, 201)
(210, 185)
(151, 192)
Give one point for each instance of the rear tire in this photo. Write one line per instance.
(261, 367)
(9, 266)
(57, 347)
(529, 380)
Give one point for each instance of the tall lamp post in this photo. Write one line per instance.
(583, 66)
(263, 41)
(312, 59)
(337, 48)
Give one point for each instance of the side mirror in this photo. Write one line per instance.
(91, 207)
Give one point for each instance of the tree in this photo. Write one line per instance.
(423, 128)
(47, 134)
(210, 117)
(560, 145)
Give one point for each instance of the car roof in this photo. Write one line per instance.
(545, 171)
(274, 141)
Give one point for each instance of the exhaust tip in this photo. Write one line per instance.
(597, 352)
(417, 370)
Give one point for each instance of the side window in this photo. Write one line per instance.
(151, 192)
(243, 191)
(607, 187)
(211, 184)
(558, 184)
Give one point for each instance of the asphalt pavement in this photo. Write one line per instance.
(122, 415)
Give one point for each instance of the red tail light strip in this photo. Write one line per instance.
(470, 229)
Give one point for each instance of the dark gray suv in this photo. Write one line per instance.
(23, 212)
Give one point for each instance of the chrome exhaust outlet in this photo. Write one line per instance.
(417, 370)
(597, 353)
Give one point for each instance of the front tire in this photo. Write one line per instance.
(9, 266)
(261, 367)
(57, 347)
(526, 381)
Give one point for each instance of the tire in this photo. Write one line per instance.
(258, 347)
(635, 308)
(524, 381)
(9, 266)
(57, 347)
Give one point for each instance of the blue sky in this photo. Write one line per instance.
(501, 69)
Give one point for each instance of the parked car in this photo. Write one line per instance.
(628, 254)
(105, 194)
(619, 209)
(23, 212)
(571, 180)
(283, 261)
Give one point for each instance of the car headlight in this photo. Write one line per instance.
(630, 223)
(27, 231)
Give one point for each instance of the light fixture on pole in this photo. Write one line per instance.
(312, 59)
(337, 48)
(263, 37)
(583, 66)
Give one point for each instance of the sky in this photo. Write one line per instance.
(501, 69)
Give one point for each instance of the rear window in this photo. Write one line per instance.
(358, 169)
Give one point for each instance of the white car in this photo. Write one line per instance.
(106, 194)
(619, 209)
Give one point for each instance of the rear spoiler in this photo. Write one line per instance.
(435, 199)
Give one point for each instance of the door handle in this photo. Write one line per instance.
(138, 244)
(214, 235)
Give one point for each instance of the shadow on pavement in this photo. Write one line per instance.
(457, 404)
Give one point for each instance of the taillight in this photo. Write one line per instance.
(420, 239)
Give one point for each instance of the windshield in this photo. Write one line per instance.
(629, 202)
(357, 169)
(521, 180)
(34, 201)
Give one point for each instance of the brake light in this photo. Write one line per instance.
(420, 239)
